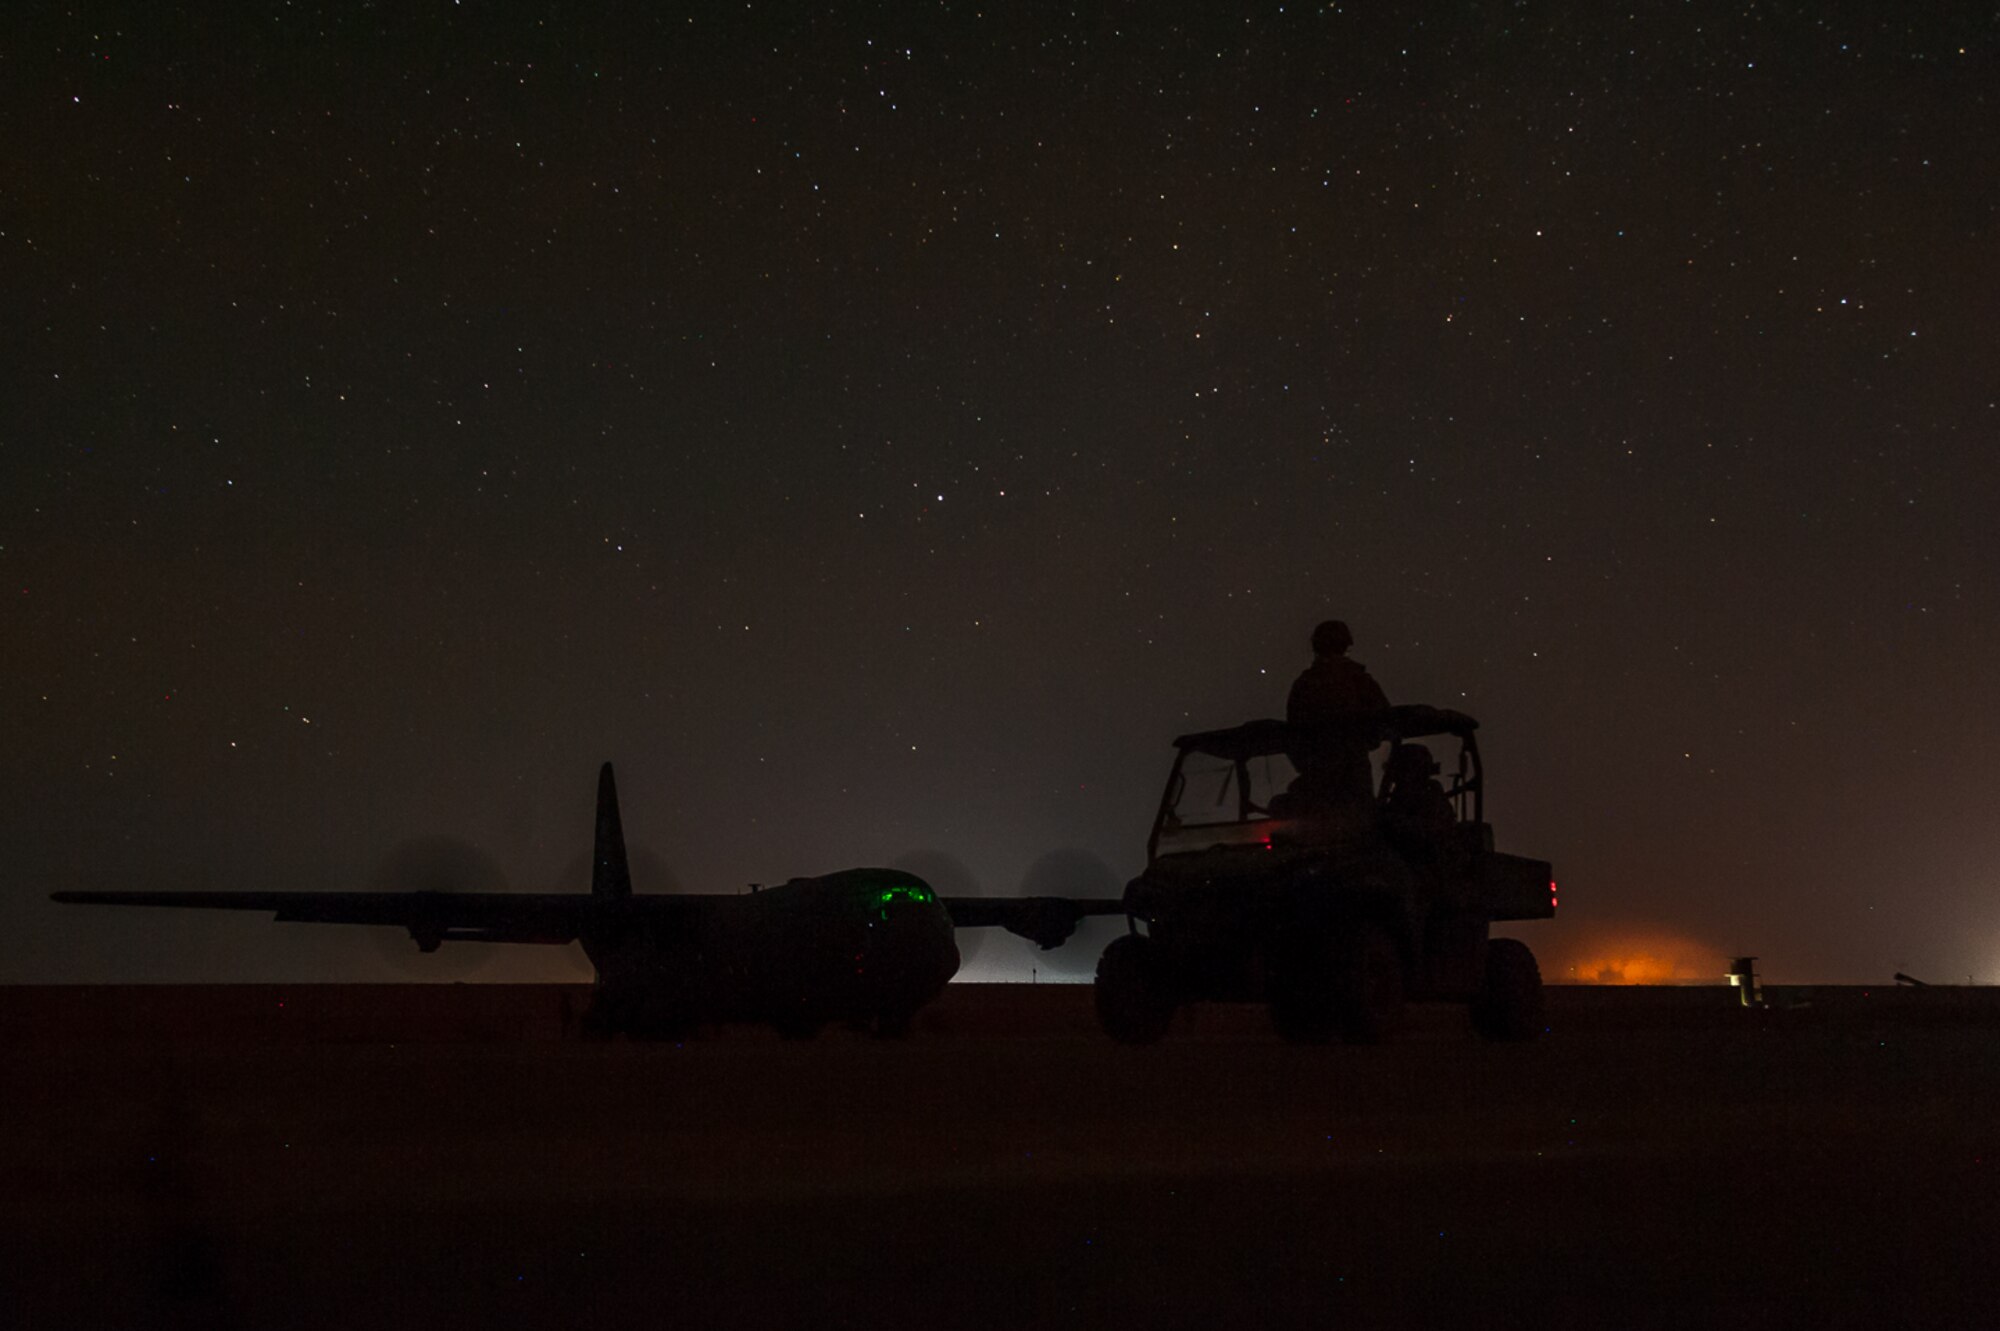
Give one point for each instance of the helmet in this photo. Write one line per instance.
(1331, 638)
(1411, 762)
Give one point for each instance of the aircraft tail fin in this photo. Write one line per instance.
(610, 876)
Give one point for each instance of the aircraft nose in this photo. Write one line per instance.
(904, 922)
(910, 925)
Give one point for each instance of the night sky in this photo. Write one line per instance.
(880, 430)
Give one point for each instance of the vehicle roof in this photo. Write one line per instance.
(1255, 739)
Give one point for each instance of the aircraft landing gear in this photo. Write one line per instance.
(893, 1024)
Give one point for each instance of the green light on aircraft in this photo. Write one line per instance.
(910, 892)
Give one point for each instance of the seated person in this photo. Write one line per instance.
(1416, 812)
(1309, 814)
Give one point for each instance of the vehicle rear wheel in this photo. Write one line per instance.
(1132, 1005)
(1370, 976)
(1509, 1003)
(1301, 1020)
(1304, 996)
(797, 1024)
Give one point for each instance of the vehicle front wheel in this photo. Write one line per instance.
(1509, 1003)
(1370, 977)
(1132, 1004)
(1304, 998)
(797, 1024)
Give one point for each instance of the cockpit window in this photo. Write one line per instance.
(882, 898)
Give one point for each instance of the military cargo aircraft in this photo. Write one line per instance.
(863, 946)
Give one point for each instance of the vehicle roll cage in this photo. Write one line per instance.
(1239, 745)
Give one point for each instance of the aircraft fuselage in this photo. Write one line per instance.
(860, 946)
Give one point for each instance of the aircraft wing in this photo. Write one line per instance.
(431, 917)
(1045, 921)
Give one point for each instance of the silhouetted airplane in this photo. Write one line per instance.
(866, 946)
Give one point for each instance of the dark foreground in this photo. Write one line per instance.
(194, 1158)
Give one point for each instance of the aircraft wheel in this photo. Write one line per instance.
(1132, 1004)
(612, 1012)
(1370, 978)
(1509, 1003)
(797, 1025)
(665, 1010)
(1302, 1009)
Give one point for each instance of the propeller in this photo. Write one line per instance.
(1070, 872)
(444, 864)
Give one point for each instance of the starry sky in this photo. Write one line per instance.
(880, 429)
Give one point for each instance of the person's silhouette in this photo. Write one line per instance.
(1336, 706)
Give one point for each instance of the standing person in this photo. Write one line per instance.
(1339, 705)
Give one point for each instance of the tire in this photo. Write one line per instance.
(1133, 1006)
(596, 1026)
(1508, 1006)
(1370, 984)
(798, 1024)
(1303, 1018)
(664, 1016)
(1305, 1000)
(640, 1013)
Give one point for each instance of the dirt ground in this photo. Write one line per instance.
(1006, 1167)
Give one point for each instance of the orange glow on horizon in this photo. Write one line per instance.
(1638, 958)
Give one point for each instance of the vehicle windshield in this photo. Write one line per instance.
(1209, 808)
(1219, 800)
